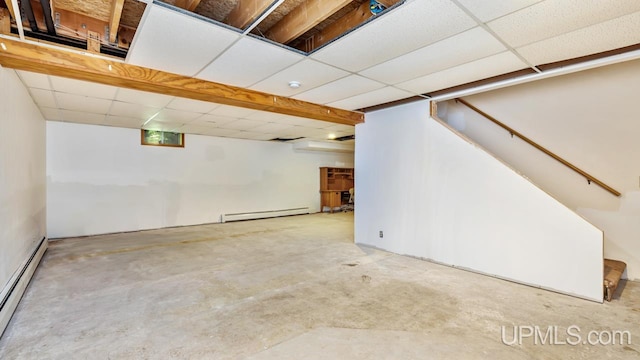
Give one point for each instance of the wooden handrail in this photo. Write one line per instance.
(564, 162)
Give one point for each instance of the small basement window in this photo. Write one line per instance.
(161, 138)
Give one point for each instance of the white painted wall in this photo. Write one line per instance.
(22, 176)
(590, 119)
(101, 180)
(437, 196)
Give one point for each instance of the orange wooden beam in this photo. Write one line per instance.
(307, 15)
(246, 11)
(114, 21)
(52, 61)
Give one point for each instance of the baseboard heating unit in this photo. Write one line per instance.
(263, 214)
(13, 291)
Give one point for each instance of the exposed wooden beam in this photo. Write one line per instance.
(13, 5)
(189, 5)
(387, 3)
(10, 8)
(246, 11)
(71, 25)
(5, 21)
(349, 21)
(114, 21)
(307, 15)
(46, 60)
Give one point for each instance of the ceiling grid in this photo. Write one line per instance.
(415, 48)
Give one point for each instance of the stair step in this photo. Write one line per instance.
(613, 270)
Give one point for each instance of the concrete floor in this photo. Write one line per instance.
(286, 288)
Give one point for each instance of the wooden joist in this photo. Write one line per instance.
(10, 8)
(52, 61)
(114, 21)
(246, 11)
(5, 21)
(189, 5)
(302, 18)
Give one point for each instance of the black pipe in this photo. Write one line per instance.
(48, 20)
(28, 12)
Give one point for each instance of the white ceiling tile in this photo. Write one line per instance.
(249, 61)
(300, 121)
(136, 111)
(163, 126)
(294, 131)
(143, 98)
(475, 70)
(219, 132)
(371, 98)
(232, 111)
(406, 28)
(341, 128)
(554, 17)
(213, 120)
(613, 34)
(175, 116)
(308, 72)
(193, 129)
(43, 97)
(82, 117)
(266, 116)
(487, 10)
(177, 43)
(319, 124)
(470, 45)
(85, 88)
(340, 89)
(242, 124)
(252, 135)
(34, 80)
(271, 128)
(309, 132)
(82, 103)
(121, 121)
(192, 105)
(50, 113)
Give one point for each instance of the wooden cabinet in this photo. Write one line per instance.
(334, 186)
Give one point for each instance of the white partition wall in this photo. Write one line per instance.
(435, 195)
(101, 180)
(22, 191)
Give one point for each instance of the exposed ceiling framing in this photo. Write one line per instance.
(297, 23)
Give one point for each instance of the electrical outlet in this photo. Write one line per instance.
(381, 234)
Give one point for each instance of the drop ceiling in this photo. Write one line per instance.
(415, 48)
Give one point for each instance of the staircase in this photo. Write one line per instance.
(613, 270)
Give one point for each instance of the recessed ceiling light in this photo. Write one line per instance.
(294, 84)
(331, 136)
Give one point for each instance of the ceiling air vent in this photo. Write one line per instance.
(345, 138)
(285, 139)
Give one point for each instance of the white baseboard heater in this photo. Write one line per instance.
(263, 214)
(13, 291)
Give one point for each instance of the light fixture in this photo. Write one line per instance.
(294, 84)
(4, 47)
(331, 136)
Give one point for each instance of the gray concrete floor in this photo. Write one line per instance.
(287, 288)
